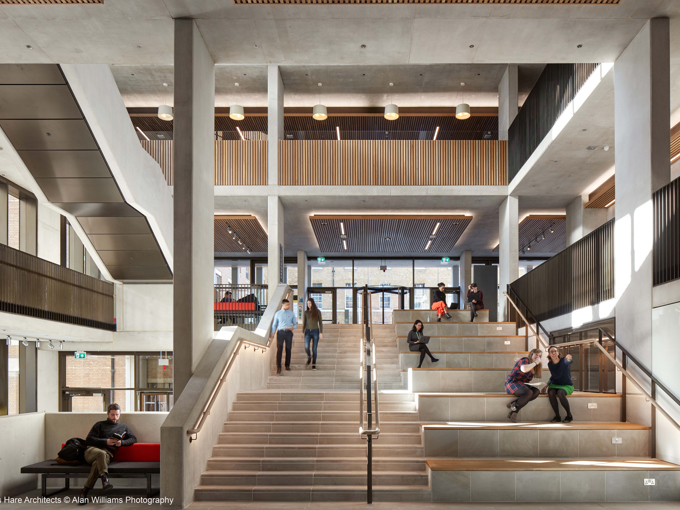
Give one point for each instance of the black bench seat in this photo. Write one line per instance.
(117, 469)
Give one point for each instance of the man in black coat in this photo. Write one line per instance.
(104, 439)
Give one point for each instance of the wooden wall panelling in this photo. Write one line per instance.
(161, 151)
(393, 163)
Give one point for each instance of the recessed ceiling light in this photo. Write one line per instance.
(472, 46)
(319, 84)
(29, 46)
(139, 47)
(236, 84)
(462, 84)
(584, 130)
(344, 244)
(256, 45)
(592, 147)
(391, 84)
(165, 84)
(342, 228)
(579, 46)
(363, 46)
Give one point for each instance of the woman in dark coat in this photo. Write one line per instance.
(414, 337)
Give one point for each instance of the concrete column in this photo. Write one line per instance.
(465, 276)
(194, 156)
(582, 221)
(302, 275)
(508, 249)
(234, 275)
(274, 122)
(276, 243)
(642, 106)
(28, 225)
(3, 213)
(507, 100)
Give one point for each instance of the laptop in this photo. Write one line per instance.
(424, 339)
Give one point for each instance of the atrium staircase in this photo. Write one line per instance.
(444, 437)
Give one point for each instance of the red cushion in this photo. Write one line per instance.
(138, 452)
(234, 307)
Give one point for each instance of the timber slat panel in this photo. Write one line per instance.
(393, 163)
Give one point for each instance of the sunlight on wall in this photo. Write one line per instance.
(643, 222)
(623, 266)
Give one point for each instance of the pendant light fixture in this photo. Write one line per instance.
(165, 112)
(463, 111)
(319, 112)
(236, 112)
(391, 112)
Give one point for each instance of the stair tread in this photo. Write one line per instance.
(326, 459)
(535, 425)
(238, 472)
(280, 488)
(576, 394)
(551, 464)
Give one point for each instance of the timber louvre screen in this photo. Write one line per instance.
(666, 247)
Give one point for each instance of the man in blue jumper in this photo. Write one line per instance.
(284, 324)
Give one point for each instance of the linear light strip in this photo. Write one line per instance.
(436, 133)
(428, 245)
(337, 129)
(240, 134)
(434, 233)
(142, 133)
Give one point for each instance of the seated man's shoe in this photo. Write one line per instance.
(106, 485)
(82, 498)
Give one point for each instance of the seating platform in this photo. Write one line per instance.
(477, 359)
(555, 480)
(469, 343)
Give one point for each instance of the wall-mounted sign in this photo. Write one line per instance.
(446, 259)
(79, 355)
(321, 260)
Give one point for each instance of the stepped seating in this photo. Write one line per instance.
(469, 344)
(455, 380)
(450, 328)
(424, 314)
(481, 359)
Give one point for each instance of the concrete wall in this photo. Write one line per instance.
(49, 234)
(23, 443)
(48, 380)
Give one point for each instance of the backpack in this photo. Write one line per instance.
(73, 451)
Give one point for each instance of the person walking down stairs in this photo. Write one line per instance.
(516, 383)
(284, 324)
(416, 342)
(439, 302)
(312, 327)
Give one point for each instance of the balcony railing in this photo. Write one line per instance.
(37, 288)
(554, 90)
(581, 275)
(666, 253)
(354, 162)
(239, 305)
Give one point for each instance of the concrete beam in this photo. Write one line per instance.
(193, 200)
(465, 275)
(508, 103)
(582, 221)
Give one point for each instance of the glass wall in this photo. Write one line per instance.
(137, 382)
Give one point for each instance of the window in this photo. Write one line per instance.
(348, 297)
(318, 298)
(138, 382)
(385, 299)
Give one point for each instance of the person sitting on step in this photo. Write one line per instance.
(559, 385)
(516, 383)
(104, 439)
(476, 299)
(439, 302)
(415, 344)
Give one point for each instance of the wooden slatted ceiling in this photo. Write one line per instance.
(388, 234)
(457, 2)
(393, 163)
(247, 228)
(603, 196)
(351, 127)
(532, 226)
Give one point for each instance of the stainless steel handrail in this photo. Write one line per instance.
(616, 363)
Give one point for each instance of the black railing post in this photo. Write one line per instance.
(653, 452)
(369, 410)
(624, 364)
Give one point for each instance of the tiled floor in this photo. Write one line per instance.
(330, 506)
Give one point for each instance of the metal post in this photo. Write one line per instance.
(653, 420)
(369, 410)
(624, 364)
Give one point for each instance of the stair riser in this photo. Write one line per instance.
(553, 486)
(536, 443)
(416, 465)
(326, 416)
(311, 451)
(320, 406)
(326, 397)
(462, 381)
(314, 428)
(460, 329)
(320, 494)
(313, 439)
(470, 344)
(493, 409)
(456, 360)
(288, 479)
(456, 316)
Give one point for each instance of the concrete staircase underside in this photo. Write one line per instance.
(448, 440)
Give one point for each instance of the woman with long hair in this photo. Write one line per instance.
(415, 343)
(559, 385)
(312, 325)
(516, 383)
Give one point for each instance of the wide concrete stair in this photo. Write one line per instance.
(338, 361)
(431, 316)
(305, 446)
(475, 454)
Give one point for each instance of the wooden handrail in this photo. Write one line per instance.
(526, 322)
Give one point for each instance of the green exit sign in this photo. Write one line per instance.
(79, 355)
(321, 260)
(446, 259)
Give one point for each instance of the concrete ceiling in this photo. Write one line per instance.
(358, 86)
